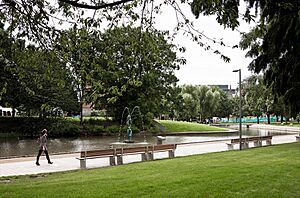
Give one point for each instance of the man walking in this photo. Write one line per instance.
(42, 141)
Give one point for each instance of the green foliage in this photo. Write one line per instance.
(226, 104)
(122, 67)
(32, 126)
(98, 113)
(114, 129)
(133, 68)
(148, 119)
(92, 121)
(63, 128)
(48, 82)
(34, 79)
(226, 11)
(257, 96)
(77, 49)
(199, 100)
(224, 174)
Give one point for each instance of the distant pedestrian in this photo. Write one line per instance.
(42, 142)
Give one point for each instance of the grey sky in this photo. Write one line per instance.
(205, 67)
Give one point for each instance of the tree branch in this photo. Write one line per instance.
(94, 7)
(5, 4)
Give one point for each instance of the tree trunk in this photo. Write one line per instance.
(81, 112)
(81, 94)
(281, 118)
(268, 115)
(257, 119)
(13, 112)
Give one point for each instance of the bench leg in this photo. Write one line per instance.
(256, 143)
(259, 143)
(82, 163)
(245, 145)
(149, 156)
(268, 142)
(297, 138)
(144, 157)
(230, 146)
(171, 154)
(119, 160)
(112, 161)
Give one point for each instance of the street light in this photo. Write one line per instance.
(240, 86)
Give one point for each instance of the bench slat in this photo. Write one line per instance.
(163, 147)
(249, 139)
(133, 150)
(94, 153)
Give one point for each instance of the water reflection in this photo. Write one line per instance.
(15, 147)
(221, 136)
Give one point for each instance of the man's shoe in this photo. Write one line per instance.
(50, 162)
(37, 163)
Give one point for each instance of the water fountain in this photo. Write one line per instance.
(126, 139)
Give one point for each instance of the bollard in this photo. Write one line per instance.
(160, 139)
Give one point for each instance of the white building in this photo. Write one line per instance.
(5, 111)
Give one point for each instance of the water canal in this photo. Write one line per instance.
(12, 147)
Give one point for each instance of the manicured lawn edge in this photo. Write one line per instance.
(180, 126)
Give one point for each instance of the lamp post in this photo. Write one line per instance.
(240, 90)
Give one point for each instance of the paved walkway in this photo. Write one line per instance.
(276, 127)
(26, 165)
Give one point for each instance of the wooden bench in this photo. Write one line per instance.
(84, 155)
(162, 148)
(257, 141)
(146, 152)
(120, 152)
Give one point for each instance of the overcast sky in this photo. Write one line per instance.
(205, 67)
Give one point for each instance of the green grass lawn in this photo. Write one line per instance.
(176, 126)
(272, 171)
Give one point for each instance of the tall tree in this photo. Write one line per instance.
(201, 99)
(258, 98)
(208, 101)
(225, 107)
(134, 68)
(77, 49)
(189, 107)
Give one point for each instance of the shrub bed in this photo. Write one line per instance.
(59, 127)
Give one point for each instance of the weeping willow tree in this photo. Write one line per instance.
(200, 101)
